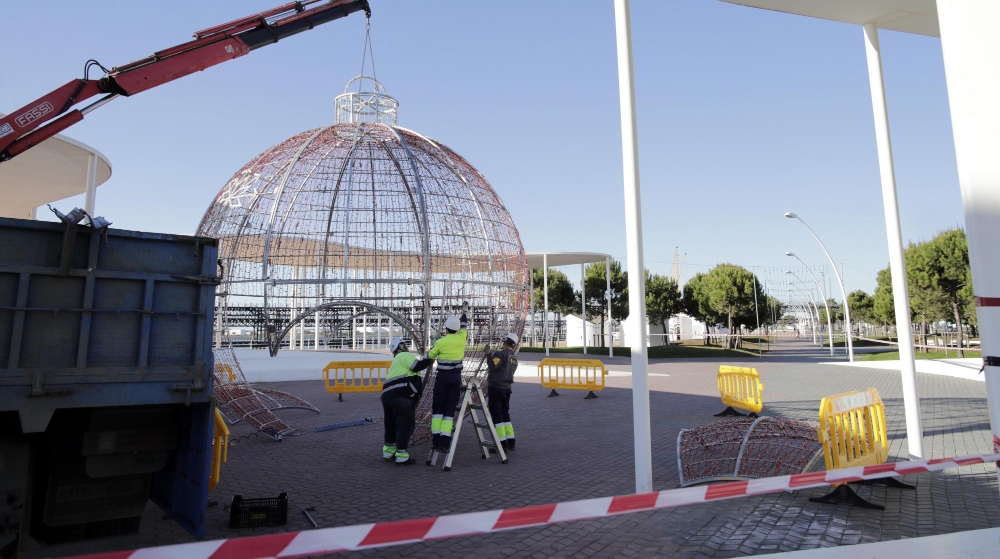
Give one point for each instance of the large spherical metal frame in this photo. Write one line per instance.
(367, 215)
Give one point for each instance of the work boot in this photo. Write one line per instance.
(510, 445)
(408, 462)
(505, 446)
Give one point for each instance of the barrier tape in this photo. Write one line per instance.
(384, 534)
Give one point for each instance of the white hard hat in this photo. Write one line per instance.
(395, 343)
(452, 323)
(513, 337)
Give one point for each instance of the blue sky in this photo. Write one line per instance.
(743, 115)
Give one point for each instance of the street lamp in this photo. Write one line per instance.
(843, 292)
(829, 324)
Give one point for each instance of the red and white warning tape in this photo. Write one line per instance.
(384, 534)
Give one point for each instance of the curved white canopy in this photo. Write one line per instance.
(909, 16)
(536, 259)
(50, 171)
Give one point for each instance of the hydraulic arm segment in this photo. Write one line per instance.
(33, 123)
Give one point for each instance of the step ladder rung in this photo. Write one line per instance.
(485, 433)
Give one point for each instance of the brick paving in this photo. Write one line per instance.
(571, 448)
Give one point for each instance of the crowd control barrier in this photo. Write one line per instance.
(853, 434)
(380, 535)
(740, 387)
(220, 449)
(572, 374)
(354, 376)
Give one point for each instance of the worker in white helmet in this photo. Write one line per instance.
(400, 394)
(449, 351)
(501, 365)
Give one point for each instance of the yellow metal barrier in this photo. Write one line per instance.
(223, 370)
(740, 387)
(355, 376)
(852, 430)
(220, 450)
(853, 434)
(572, 374)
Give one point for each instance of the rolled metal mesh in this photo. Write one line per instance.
(747, 448)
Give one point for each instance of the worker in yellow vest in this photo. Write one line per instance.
(449, 351)
(400, 394)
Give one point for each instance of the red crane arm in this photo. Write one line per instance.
(33, 123)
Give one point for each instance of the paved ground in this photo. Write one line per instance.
(571, 448)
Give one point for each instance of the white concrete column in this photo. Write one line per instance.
(607, 296)
(90, 194)
(633, 234)
(583, 304)
(971, 47)
(545, 294)
(291, 313)
(897, 264)
(531, 302)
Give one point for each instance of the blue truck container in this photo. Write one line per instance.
(105, 381)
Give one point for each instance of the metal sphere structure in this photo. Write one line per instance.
(366, 218)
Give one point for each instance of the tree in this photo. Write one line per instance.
(695, 302)
(861, 305)
(946, 268)
(596, 283)
(926, 301)
(663, 299)
(883, 307)
(836, 311)
(735, 294)
(562, 298)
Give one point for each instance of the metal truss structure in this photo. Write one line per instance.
(364, 218)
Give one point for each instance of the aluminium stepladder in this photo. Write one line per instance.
(487, 441)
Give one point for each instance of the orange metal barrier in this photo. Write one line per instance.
(354, 376)
(572, 374)
(220, 450)
(853, 434)
(740, 387)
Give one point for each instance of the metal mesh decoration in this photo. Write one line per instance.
(746, 448)
(363, 218)
(237, 400)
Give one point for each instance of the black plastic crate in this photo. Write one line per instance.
(264, 511)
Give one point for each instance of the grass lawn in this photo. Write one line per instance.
(894, 355)
(655, 352)
(859, 343)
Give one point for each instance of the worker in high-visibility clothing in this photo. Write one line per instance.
(400, 394)
(501, 365)
(449, 351)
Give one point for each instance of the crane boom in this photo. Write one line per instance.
(40, 120)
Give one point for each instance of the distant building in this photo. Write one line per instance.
(574, 331)
(681, 327)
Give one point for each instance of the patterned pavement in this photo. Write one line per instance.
(571, 448)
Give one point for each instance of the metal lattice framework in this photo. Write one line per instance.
(747, 448)
(364, 215)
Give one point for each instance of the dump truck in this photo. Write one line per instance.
(105, 381)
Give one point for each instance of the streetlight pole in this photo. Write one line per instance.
(843, 292)
(829, 324)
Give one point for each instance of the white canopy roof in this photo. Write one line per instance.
(536, 259)
(909, 16)
(50, 171)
